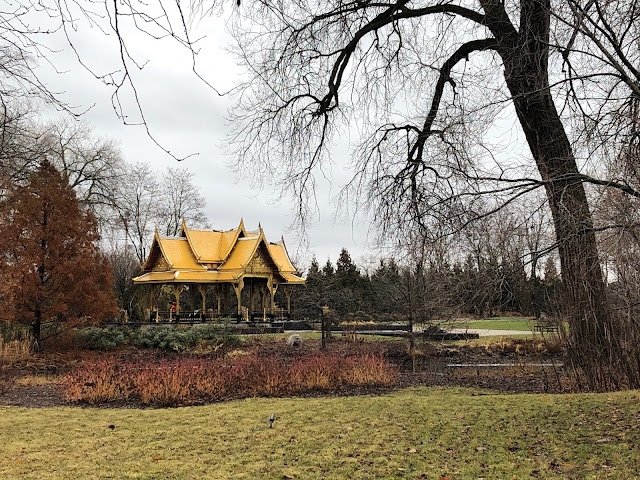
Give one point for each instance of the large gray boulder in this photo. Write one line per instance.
(294, 340)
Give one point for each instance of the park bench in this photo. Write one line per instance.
(546, 324)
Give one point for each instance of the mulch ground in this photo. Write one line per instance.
(37, 383)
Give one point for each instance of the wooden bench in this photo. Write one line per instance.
(547, 327)
(546, 324)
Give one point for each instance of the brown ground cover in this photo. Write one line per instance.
(38, 381)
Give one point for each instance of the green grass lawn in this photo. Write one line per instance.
(498, 323)
(306, 335)
(496, 339)
(411, 434)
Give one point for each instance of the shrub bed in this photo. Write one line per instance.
(176, 339)
(189, 381)
(10, 331)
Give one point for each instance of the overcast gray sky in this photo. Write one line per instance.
(187, 117)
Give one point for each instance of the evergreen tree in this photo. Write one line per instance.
(550, 269)
(314, 270)
(328, 271)
(345, 268)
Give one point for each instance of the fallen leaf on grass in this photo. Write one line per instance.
(480, 449)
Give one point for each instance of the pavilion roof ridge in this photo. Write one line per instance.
(214, 230)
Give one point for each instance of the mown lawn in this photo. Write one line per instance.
(414, 434)
(498, 323)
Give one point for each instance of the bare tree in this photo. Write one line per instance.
(20, 147)
(137, 206)
(144, 203)
(181, 200)
(31, 33)
(93, 166)
(427, 79)
(125, 266)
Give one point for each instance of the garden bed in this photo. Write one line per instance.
(40, 380)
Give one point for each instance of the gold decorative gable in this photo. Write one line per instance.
(160, 264)
(260, 263)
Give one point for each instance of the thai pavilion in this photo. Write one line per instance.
(200, 260)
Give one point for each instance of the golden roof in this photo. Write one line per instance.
(211, 246)
(178, 254)
(210, 256)
(281, 257)
(186, 277)
(293, 279)
(242, 253)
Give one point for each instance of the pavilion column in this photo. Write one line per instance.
(252, 295)
(272, 293)
(273, 298)
(203, 292)
(287, 293)
(219, 291)
(238, 289)
(177, 290)
(263, 298)
(263, 301)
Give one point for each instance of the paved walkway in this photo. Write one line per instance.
(489, 333)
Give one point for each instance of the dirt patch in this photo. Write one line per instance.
(429, 366)
(34, 396)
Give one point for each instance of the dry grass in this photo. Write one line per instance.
(38, 380)
(12, 352)
(411, 434)
(15, 350)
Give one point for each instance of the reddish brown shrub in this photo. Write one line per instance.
(197, 380)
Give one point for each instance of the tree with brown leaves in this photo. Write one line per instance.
(51, 269)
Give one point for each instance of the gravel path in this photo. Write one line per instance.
(489, 333)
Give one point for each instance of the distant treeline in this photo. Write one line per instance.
(426, 290)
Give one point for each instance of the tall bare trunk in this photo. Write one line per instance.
(525, 55)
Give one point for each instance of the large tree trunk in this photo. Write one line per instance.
(525, 55)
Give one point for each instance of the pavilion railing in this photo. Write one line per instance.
(198, 316)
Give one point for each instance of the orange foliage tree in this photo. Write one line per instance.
(51, 269)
